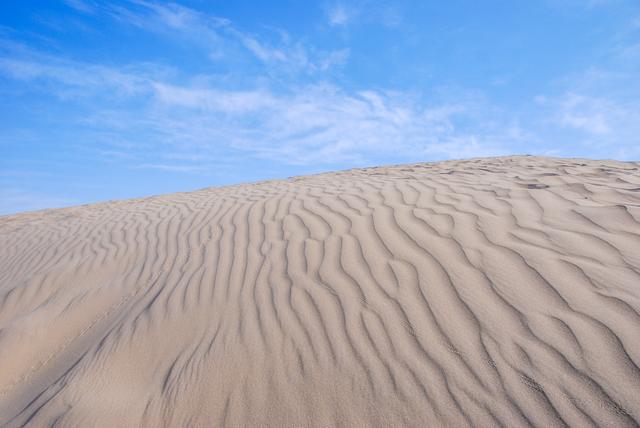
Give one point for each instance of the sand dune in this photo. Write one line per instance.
(487, 292)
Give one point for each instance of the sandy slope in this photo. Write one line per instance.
(486, 292)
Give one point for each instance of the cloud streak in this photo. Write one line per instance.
(302, 124)
(222, 38)
(307, 124)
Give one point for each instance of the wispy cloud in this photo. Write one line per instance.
(337, 15)
(305, 123)
(211, 99)
(72, 74)
(84, 6)
(321, 124)
(170, 19)
(348, 12)
(591, 115)
(222, 38)
(603, 123)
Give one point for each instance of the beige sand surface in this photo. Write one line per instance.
(487, 292)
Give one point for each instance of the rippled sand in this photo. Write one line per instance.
(488, 292)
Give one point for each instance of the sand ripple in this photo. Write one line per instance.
(487, 292)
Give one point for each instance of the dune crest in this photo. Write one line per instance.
(486, 292)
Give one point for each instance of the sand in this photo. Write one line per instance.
(485, 292)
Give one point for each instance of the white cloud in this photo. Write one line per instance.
(79, 79)
(264, 53)
(338, 15)
(212, 99)
(81, 5)
(344, 13)
(220, 37)
(586, 114)
(324, 124)
(304, 124)
(209, 119)
(596, 123)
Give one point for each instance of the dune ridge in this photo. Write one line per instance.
(484, 292)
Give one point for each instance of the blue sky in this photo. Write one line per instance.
(111, 100)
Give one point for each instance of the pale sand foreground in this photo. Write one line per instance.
(487, 292)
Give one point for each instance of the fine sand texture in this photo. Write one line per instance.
(485, 292)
